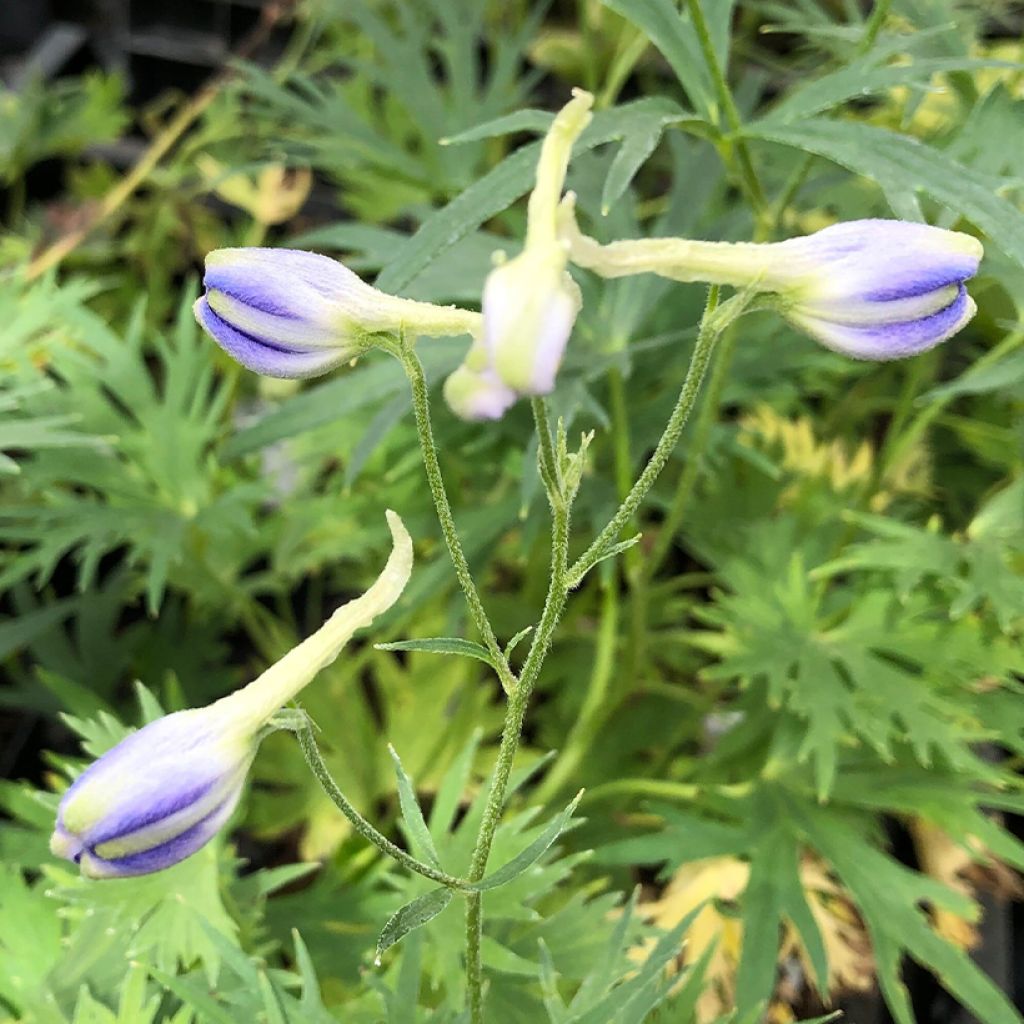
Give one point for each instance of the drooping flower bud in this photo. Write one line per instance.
(871, 289)
(163, 792)
(289, 313)
(530, 302)
(877, 289)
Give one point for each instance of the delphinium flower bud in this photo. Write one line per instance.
(530, 302)
(871, 289)
(289, 313)
(163, 792)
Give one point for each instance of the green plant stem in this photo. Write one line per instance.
(558, 590)
(706, 418)
(789, 192)
(596, 707)
(748, 174)
(631, 558)
(311, 752)
(908, 437)
(545, 450)
(421, 408)
(874, 25)
(705, 344)
(630, 48)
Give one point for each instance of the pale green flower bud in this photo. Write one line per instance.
(529, 303)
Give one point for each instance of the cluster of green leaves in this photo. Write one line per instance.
(816, 660)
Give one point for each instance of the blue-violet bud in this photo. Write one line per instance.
(163, 792)
(871, 289)
(289, 313)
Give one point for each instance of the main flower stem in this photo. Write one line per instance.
(558, 590)
(705, 344)
(311, 752)
(421, 408)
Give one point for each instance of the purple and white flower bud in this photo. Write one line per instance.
(871, 289)
(289, 313)
(163, 792)
(157, 797)
(877, 289)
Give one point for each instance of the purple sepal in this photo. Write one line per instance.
(165, 855)
(895, 340)
(877, 260)
(261, 356)
(153, 798)
(281, 282)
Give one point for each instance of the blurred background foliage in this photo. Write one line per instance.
(795, 706)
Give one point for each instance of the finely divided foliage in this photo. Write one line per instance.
(718, 718)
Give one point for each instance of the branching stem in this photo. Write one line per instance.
(421, 408)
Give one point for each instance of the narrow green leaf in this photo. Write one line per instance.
(615, 549)
(310, 1001)
(414, 914)
(674, 35)
(553, 1001)
(407, 989)
(271, 1005)
(520, 121)
(195, 997)
(369, 385)
(412, 814)
(440, 645)
(453, 786)
(496, 191)
(17, 631)
(890, 158)
(518, 864)
(517, 639)
(637, 145)
(859, 79)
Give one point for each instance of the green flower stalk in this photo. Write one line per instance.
(163, 792)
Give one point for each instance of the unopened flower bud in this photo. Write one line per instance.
(529, 306)
(871, 289)
(289, 313)
(163, 792)
(529, 303)
(877, 289)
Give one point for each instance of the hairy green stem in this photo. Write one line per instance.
(595, 709)
(706, 417)
(915, 429)
(421, 408)
(705, 344)
(879, 13)
(748, 175)
(515, 715)
(549, 470)
(314, 759)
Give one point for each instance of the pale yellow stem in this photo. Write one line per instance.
(432, 321)
(740, 264)
(552, 167)
(253, 706)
